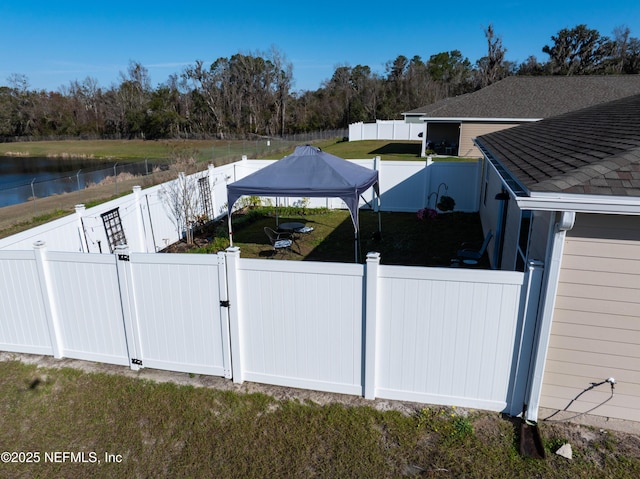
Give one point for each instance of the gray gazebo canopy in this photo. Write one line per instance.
(308, 172)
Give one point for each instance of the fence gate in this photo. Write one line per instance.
(181, 323)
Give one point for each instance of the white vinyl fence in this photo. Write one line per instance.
(405, 186)
(446, 336)
(437, 335)
(385, 130)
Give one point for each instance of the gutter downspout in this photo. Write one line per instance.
(557, 236)
(504, 197)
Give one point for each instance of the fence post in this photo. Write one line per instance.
(84, 246)
(212, 184)
(376, 201)
(127, 301)
(224, 314)
(48, 299)
(235, 313)
(427, 179)
(142, 237)
(525, 335)
(371, 324)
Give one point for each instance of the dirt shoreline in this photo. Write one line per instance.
(19, 217)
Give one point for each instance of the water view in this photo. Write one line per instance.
(21, 178)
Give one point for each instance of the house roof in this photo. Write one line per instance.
(593, 151)
(533, 97)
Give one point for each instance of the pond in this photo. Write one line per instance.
(23, 177)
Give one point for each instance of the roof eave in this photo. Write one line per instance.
(479, 119)
(558, 201)
(603, 204)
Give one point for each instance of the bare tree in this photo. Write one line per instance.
(283, 79)
(207, 86)
(492, 67)
(19, 82)
(180, 197)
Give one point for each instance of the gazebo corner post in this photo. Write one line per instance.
(378, 211)
(230, 230)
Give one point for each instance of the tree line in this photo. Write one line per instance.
(252, 94)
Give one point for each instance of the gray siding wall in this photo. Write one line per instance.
(596, 325)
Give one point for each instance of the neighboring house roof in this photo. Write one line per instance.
(532, 97)
(593, 151)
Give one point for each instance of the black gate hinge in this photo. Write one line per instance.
(123, 257)
(137, 362)
(225, 303)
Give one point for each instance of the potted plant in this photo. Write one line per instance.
(446, 203)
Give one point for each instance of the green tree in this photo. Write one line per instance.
(162, 119)
(632, 57)
(451, 71)
(578, 51)
(531, 66)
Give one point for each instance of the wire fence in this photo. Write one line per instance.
(148, 171)
(222, 152)
(108, 181)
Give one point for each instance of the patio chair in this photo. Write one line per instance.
(304, 230)
(281, 242)
(470, 255)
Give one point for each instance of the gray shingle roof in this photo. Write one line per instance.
(595, 150)
(523, 97)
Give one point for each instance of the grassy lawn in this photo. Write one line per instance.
(405, 239)
(206, 150)
(164, 430)
(219, 151)
(385, 149)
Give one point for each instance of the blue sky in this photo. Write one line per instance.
(55, 42)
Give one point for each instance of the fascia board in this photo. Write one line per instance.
(621, 205)
(478, 119)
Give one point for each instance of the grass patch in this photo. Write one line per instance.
(35, 221)
(405, 239)
(166, 430)
(387, 150)
(216, 151)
